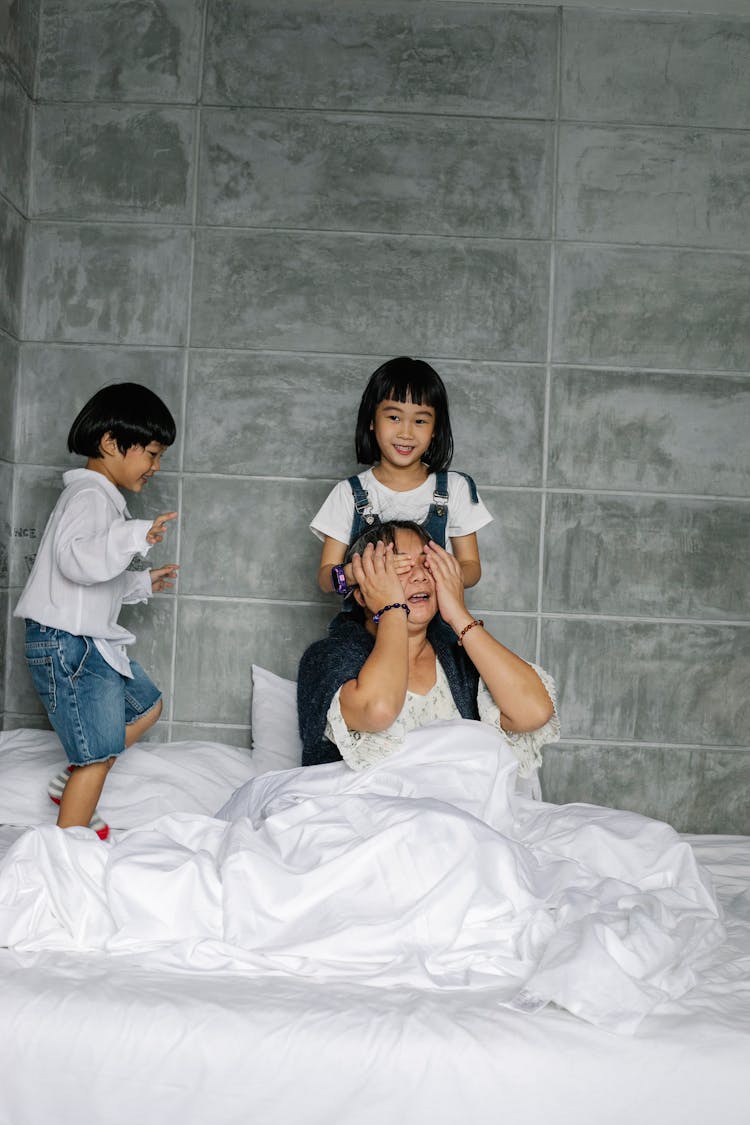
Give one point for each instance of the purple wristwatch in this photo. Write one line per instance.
(338, 580)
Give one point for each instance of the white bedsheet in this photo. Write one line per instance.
(425, 872)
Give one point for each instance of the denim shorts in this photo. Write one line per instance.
(88, 702)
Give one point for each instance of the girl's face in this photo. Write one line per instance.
(403, 431)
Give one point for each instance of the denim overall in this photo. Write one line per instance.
(436, 523)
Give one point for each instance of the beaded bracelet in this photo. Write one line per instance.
(466, 628)
(396, 605)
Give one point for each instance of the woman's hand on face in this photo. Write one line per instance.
(449, 581)
(376, 575)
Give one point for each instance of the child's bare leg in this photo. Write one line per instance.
(84, 786)
(80, 795)
(137, 729)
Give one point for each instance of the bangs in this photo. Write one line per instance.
(416, 383)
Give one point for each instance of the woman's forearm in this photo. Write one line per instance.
(512, 683)
(375, 699)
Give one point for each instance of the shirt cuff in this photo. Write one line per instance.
(139, 530)
(138, 588)
(526, 745)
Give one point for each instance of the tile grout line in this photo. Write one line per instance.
(15, 466)
(549, 350)
(355, 112)
(523, 489)
(186, 361)
(738, 374)
(250, 230)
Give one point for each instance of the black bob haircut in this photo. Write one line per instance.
(387, 532)
(400, 379)
(132, 414)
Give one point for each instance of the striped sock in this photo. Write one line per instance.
(99, 826)
(58, 783)
(55, 791)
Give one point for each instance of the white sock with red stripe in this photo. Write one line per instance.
(55, 791)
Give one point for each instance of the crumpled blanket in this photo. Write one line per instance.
(427, 870)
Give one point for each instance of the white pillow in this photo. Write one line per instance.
(276, 741)
(149, 780)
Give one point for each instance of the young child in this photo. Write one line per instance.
(97, 700)
(403, 426)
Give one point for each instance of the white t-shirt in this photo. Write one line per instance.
(80, 580)
(337, 513)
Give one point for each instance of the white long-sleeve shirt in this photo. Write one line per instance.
(80, 580)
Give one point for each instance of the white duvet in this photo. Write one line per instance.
(426, 870)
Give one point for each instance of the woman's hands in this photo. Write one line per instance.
(447, 575)
(514, 685)
(375, 698)
(375, 573)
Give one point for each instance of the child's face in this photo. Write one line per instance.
(139, 464)
(132, 469)
(403, 431)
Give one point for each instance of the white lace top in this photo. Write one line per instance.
(361, 749)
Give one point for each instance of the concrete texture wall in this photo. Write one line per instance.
(249, 207)
(18, 45)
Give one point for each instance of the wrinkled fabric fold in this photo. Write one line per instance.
(427, 870)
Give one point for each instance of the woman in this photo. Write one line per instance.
(392, 665)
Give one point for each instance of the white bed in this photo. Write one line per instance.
(120, 1039)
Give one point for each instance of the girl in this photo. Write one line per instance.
(404, 427)
(98, 701)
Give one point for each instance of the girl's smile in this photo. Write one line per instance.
(403, 432)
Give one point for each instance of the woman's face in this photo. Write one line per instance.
(418, 584)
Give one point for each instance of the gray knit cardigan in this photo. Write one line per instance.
(337, 658)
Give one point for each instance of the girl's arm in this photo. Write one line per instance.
(332, 554)
(466, 550)
(513, 684)
(374, 699)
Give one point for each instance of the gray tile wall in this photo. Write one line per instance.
(249, 207)
(19, 25)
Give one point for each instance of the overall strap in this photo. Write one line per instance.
(474, 495)
(436, 524)
(364, 515)
(440, 495)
